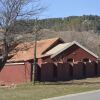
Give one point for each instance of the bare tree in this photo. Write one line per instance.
(10, 12)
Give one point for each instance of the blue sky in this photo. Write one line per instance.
(64, 8)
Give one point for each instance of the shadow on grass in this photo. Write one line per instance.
(72, 82)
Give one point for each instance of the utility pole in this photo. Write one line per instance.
(35, 45)
(36, 30)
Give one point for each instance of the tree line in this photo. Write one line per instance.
(71, 23)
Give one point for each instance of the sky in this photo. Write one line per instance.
(65, 8)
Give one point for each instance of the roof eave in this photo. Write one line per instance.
(74, 42)
(53, 44)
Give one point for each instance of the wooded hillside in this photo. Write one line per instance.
(72, 23)
(84, 29)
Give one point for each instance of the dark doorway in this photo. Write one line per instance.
(86, 60)
(71, 71)
(84, 70)
(55, 72)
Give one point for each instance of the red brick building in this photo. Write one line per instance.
(52, 50)
(19, 67)
(69, 52)
(25, 51)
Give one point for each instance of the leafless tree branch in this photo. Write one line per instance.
(10, 12)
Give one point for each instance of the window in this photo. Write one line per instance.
(70, 60)
(86, 60)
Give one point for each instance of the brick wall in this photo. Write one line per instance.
(22, 72)
(15, 73)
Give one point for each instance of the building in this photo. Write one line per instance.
(69, 52)
(25, 51)
(18, 68)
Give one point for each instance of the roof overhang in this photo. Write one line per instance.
(71, 44)
(57, 39)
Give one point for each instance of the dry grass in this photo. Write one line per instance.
(41, 91)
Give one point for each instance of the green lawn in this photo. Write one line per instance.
(38, 92)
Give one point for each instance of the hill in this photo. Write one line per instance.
(72, 23)
(84, 29)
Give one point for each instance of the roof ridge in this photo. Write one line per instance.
(72, 43)
(48, 39)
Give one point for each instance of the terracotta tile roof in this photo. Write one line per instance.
(25, 51)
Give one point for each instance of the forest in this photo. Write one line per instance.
(83, 29)
(71, 23)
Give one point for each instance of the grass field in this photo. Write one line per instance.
(41, 91)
